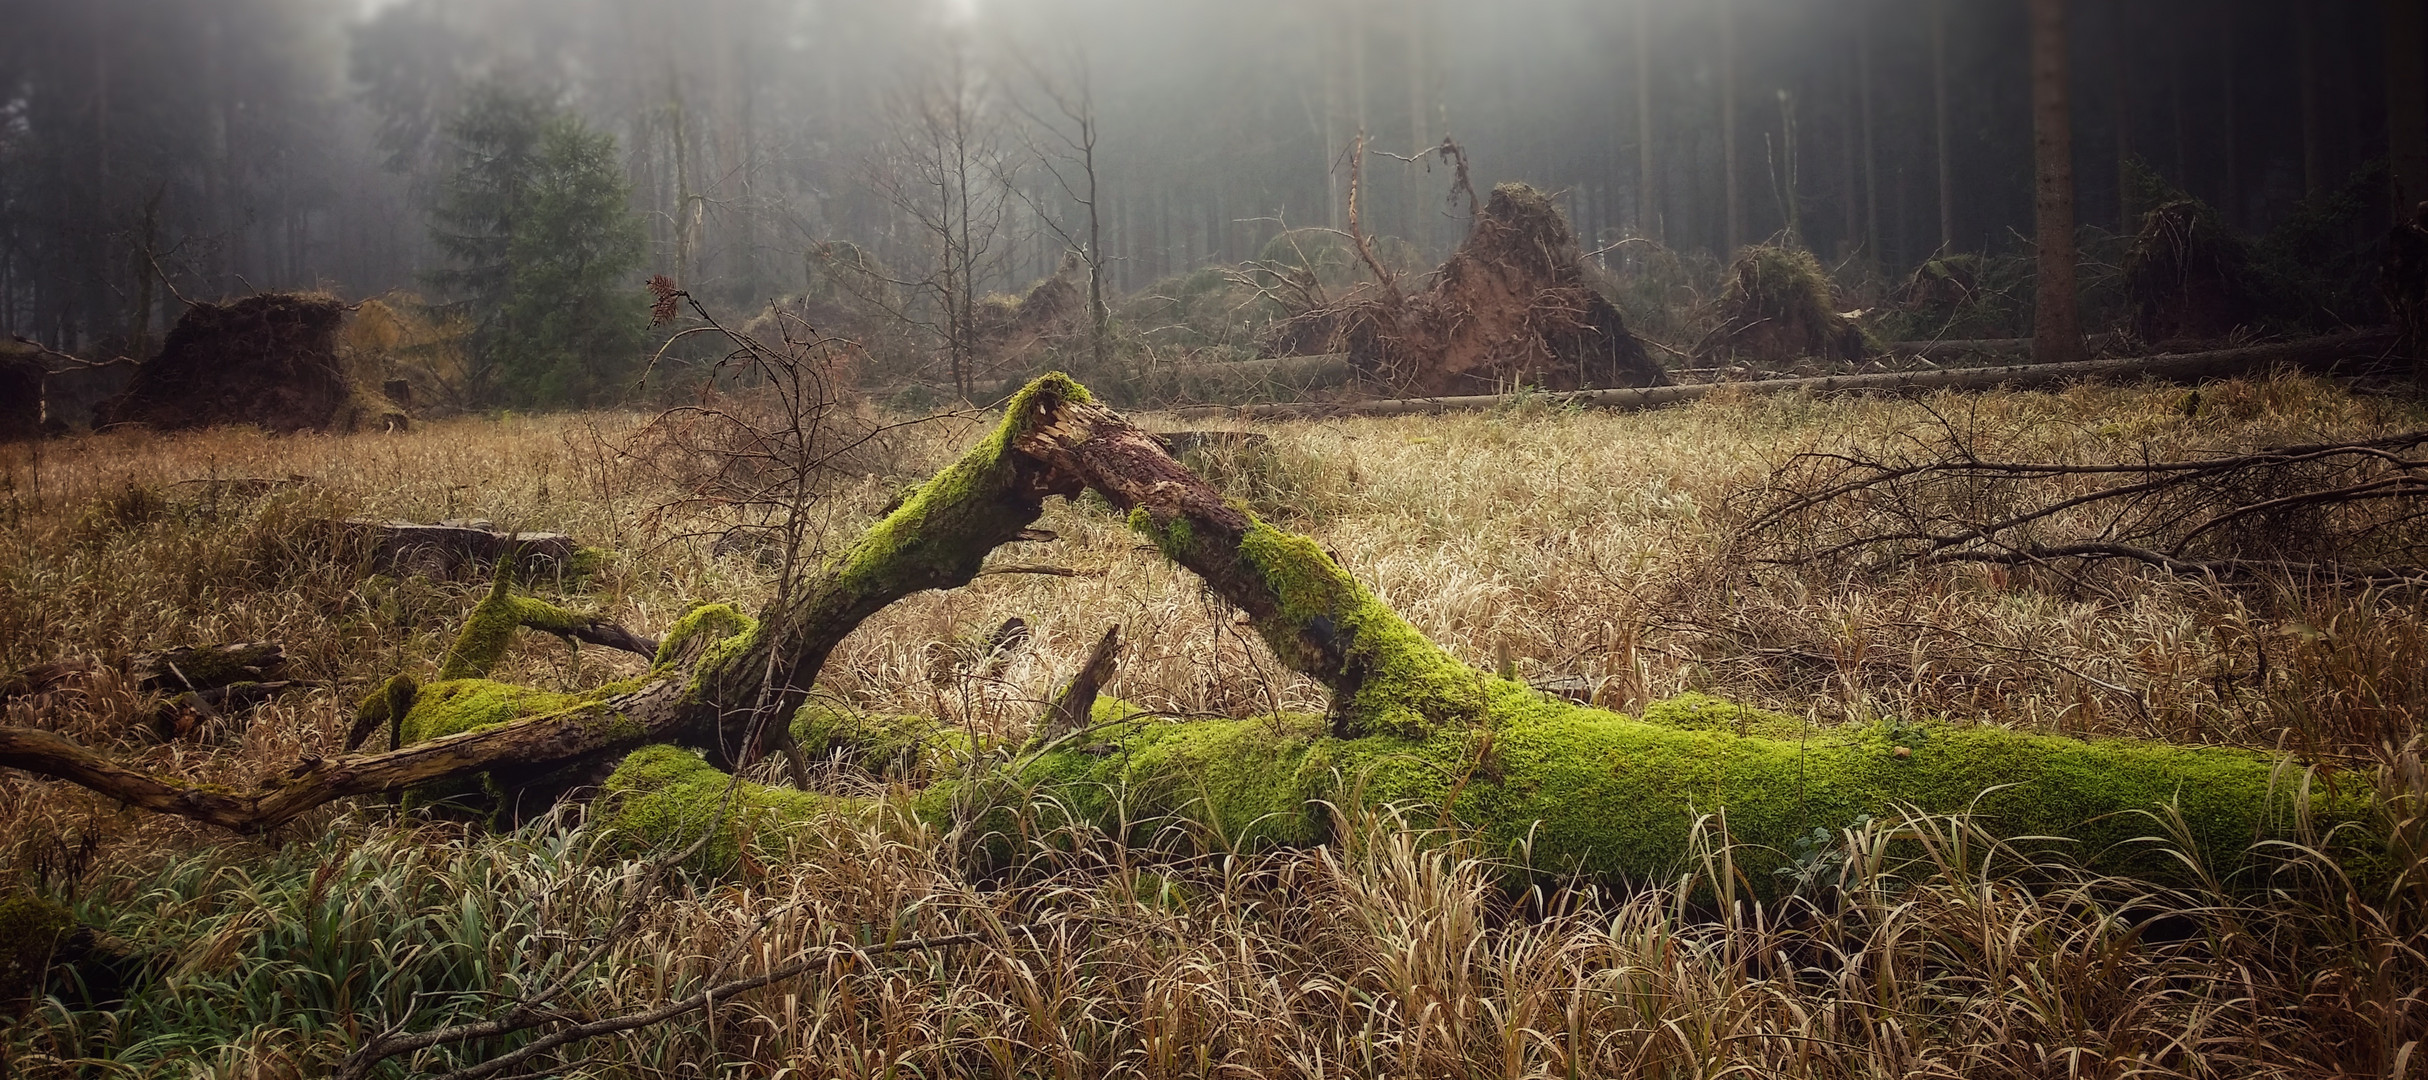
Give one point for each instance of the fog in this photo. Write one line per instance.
(151, 149)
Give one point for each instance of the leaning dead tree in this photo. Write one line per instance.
(1563, 787)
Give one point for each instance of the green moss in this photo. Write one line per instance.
(386, 707)
(703, 627)
(1406, 685)
(1696, 711)
(914, 749)
(1567, 789)
(889, 547)
(664, 797)
(1171, 539)
(32, 930)
(454, 706)
(489, 629)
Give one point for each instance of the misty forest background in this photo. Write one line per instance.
(154, 150)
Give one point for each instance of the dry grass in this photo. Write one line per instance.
(1582, 545)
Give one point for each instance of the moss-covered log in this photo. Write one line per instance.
(1565, 788)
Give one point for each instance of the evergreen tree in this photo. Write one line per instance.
(535, 215)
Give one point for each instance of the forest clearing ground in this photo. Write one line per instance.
(1582, 547)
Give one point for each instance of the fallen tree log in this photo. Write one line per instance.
(1941, 349)
(1560, 787)
(2323, 354)
(450, 549)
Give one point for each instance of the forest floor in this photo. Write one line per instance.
(1591, 550)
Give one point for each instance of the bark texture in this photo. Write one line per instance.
(2056, 321)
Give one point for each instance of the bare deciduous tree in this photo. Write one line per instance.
(943, 170)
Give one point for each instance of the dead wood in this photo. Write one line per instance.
(1954, 347)
(2335, 353)
(206, 667)
(455, 549)
(1054, 441)
(186, 713)
(1776, 309)
(1077, 702)
(43, 678)
(2350, 513)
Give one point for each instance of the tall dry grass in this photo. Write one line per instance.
(1586, 547)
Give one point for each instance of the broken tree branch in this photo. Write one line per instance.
(2351, 512)
(1073, 708)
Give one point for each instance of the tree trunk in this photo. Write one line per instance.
(2406, 35)
(2056, 325)
(2120, 92)
(2305, 30)
(1871, 159)
(1560, 788)
(1648, 188)
(1732, 182)
(1941, 125)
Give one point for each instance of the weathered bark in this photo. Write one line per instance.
(194, 668)
(1559, 787)
(1077, 702)
(2323, 354)
(451, 549)
(2056, 321)
(179, 716)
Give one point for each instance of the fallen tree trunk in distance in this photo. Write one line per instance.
(2316, 354)
(1936, 350)
(185, 669)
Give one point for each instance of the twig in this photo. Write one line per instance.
(629, 1021)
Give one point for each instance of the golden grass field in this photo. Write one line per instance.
(1563, 545)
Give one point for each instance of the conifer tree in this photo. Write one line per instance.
(535, 218)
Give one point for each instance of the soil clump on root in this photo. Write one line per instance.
(269, 360)
(2188, 279)
(1511, 308)
(1775, 309)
